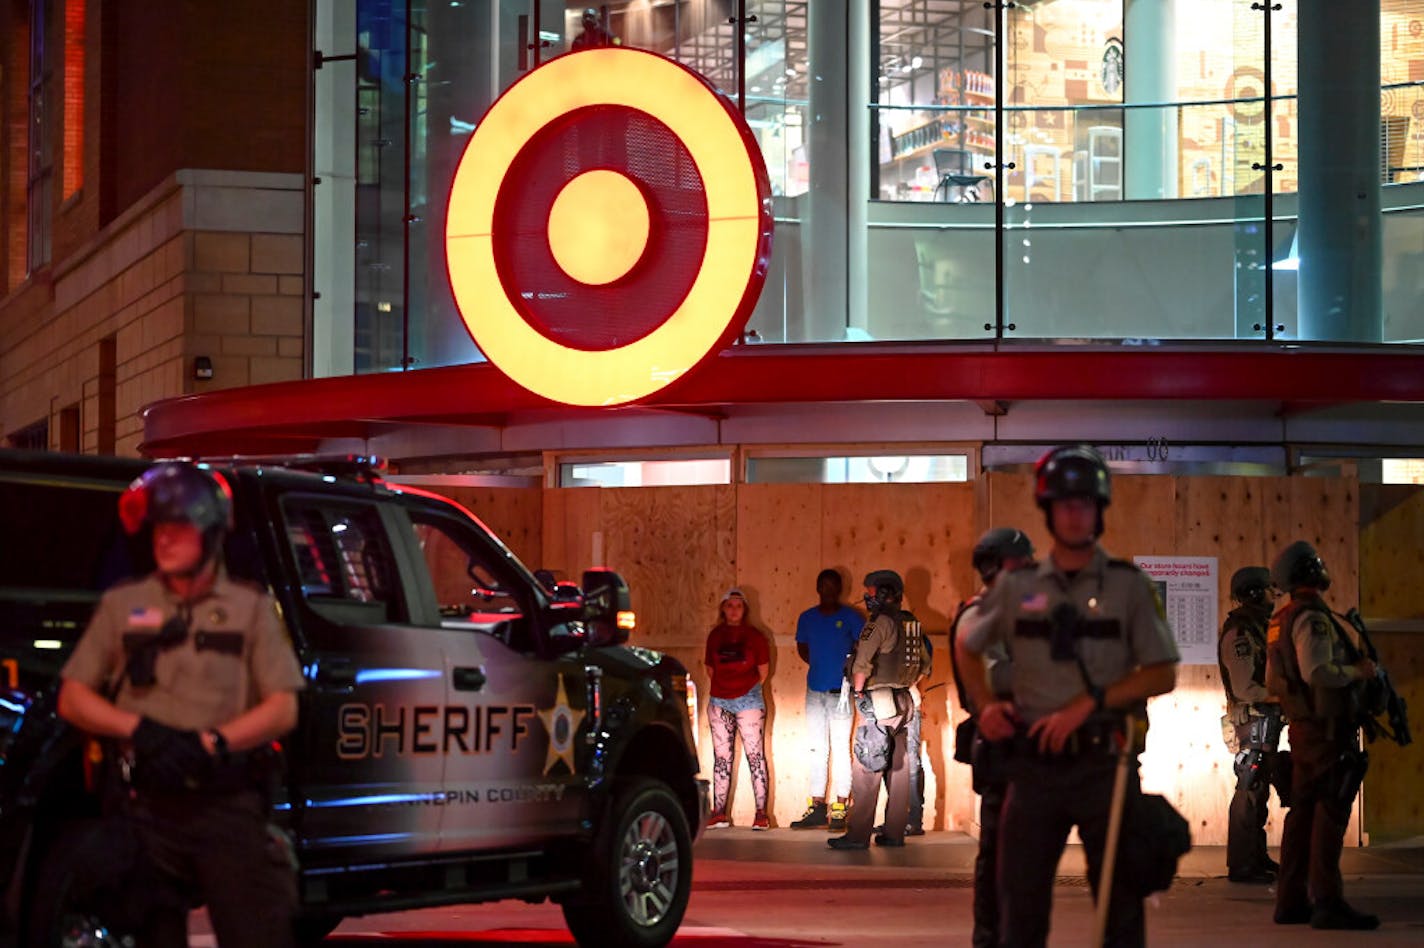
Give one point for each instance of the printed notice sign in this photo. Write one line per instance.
(1187, 585)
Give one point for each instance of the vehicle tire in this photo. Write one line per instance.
(56, 914)
(313, 929)
(639, 874)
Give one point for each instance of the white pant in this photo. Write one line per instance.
(828, 742)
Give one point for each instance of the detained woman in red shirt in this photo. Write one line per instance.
(737, 657)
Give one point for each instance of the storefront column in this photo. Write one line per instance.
(1340, 226)
(824, 255)
(861, 156)
(333, 277)
(1149, 75)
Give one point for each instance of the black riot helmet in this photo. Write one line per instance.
(889, 590)
(178, 492)
(1072, 470)
(1299, 565)
(996, 546)
(1251, 586)
(590, 17)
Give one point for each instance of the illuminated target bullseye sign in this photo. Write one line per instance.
(609, 227)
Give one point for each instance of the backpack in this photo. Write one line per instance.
(1154, 837)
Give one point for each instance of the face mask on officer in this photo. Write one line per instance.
(884, 590)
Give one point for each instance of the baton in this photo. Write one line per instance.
(1119, 803)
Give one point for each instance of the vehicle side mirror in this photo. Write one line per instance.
(567, 593)
(607, 607)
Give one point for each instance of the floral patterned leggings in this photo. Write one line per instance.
(725, 725)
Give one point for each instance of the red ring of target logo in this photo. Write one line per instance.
(609, 226)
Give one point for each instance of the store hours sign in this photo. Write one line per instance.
(1189, 591)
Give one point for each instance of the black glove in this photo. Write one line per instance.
(167, 758)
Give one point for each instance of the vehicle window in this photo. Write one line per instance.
(343, 562)
(70, 536)
(473, 587)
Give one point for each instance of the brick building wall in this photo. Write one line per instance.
(154, 264)
(208, 264)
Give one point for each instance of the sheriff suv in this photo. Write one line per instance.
(467, 733)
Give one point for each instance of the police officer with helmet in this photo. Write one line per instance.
(1254, 720)
(1089, 644)
(192, 673)
(888, 659)
(1317, 670)
(999, 551)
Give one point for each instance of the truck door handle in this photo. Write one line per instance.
(469, 679)
(336, 676)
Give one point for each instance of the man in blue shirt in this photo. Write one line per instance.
(825, 635)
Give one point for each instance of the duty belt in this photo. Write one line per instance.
(1092, 739)
(241, 771)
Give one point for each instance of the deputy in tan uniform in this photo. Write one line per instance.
(1255, 719)
(888, 659)
(998, 553)
(1089, 643)
(192, 673)
(1316, 669)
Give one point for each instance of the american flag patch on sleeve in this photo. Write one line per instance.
(149, 617)
(1038, 602)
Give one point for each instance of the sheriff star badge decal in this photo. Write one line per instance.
(562, 723)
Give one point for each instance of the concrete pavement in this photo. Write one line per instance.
(785, 889)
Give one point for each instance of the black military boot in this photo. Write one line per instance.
(814, 818)
(1337, 914)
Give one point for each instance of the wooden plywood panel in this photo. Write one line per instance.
(1142, 520)
(681, 547)
(515, 514)
(1220, 517)
(779, 552)
(1325, 511)
(676, 547)
(778, 557)
(1393, 807)
(1391, 563)
(1187, 761)
(1392, 551)
(926, 532)
(1010, 504)
(573, 532)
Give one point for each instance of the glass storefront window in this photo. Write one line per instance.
(858, 469)
(1133, 135)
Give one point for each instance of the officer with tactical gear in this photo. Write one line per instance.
(1254, 720)
(999, 551)
(1316, 669)
(888, 659)
(1089, 644)
(193, 674)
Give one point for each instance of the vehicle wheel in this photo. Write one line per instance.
(63, 910)
(640, 873)
(313, 929)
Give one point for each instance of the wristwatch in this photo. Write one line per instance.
(1098, 695)
(219, 744)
